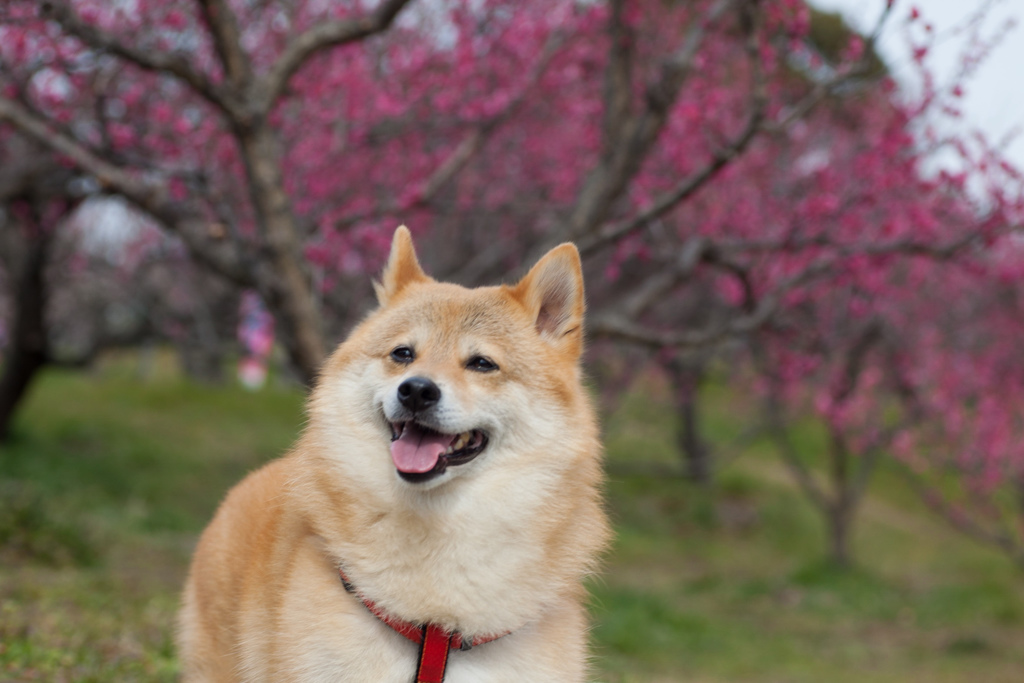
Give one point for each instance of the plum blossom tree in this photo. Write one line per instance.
(958, 361)
(189, 101)
(69, 295)
(907, 323)
(35, 197)
(927, 372)
(277, 158)
(728, 181)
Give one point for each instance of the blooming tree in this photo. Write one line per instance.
(912, 350)
(69, 292)
(175, 107)
(278, 159)
(727, 180)
(35, 197)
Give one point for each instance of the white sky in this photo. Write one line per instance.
(994, 95)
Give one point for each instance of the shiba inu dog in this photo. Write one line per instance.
(437, 516)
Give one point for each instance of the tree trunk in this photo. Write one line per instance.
(842, 506)
(686, 380)
(202, 362)
(1019, 480)
(288, 293)
(202, 351)
(840, 518)
(27, 351)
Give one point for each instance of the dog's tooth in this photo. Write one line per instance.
(460, 442)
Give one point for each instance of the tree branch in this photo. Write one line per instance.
(627, 144)
(870, 335)
(151, 197)
(627, 139)
(321, 37)
(719, 160)
(693, 252)
(685, 189)
(961, 522)
(474, 141)
(617, 326)
(899, 247)
(227, 42)
(828, 86)
(173, 64)
(618, 80)
(776, 428)
(470, 145)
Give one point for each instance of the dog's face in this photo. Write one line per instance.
(442, 381)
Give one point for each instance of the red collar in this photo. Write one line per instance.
(435, 642)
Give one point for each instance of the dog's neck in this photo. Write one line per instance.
(487, 556)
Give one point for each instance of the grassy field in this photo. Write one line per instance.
(109, 479)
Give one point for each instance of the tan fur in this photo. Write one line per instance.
(498, 544)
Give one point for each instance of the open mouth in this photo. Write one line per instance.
(421, 453)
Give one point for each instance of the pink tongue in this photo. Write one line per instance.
(417, 450)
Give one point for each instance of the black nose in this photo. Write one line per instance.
(418, 393)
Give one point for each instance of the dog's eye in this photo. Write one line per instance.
(481, 364)
(403, 354)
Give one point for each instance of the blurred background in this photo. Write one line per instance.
(801, 225)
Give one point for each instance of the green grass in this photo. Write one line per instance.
(107, 482)
(730, 584)
(109, 479)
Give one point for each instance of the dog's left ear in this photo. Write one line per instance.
(553, 293)
(402, 269)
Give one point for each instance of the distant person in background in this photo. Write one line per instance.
(256, 335)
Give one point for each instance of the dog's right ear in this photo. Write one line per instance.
(402, 269)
